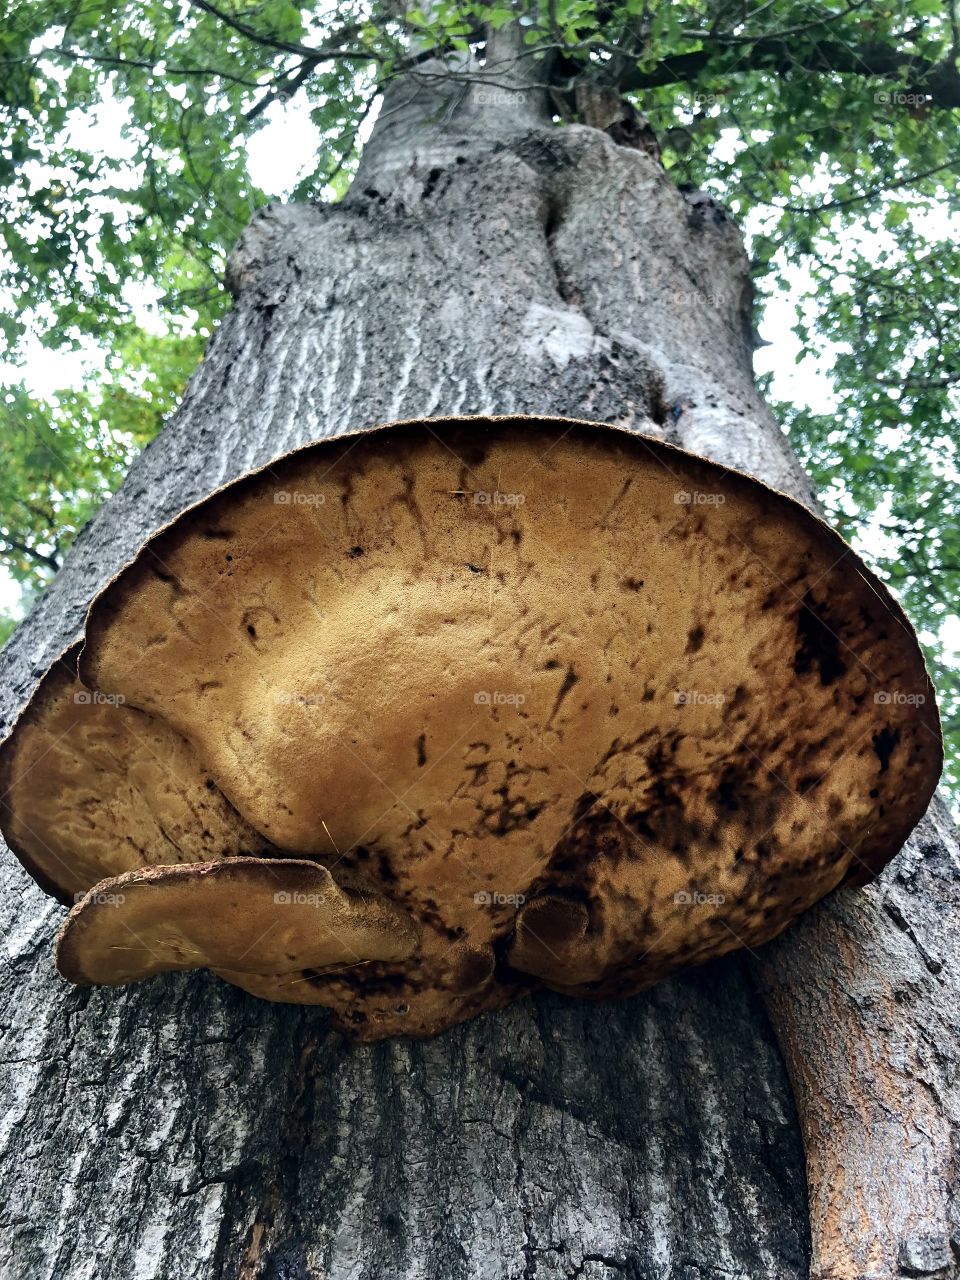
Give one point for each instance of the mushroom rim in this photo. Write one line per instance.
(27, 713)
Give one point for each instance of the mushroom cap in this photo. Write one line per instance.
(275, 916)
(90, 788)
(585, 706)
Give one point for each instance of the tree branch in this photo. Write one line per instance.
(324, 53)
(24, 549)
(283, 90)
(940, 81)
(137, 64)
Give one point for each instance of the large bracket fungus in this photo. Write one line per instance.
(413, 721)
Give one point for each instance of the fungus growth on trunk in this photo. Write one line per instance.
(453, 709)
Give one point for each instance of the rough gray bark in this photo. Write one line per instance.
(484, 262)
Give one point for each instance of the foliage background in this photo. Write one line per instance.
(830, 129)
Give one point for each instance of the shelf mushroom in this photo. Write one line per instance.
(236, 916)
(559, 704)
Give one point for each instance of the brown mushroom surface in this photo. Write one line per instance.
(91, 788)
(584, 706)
(272, 916)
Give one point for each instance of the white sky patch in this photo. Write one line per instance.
(803, 382)
(282, 153)
(950, 638)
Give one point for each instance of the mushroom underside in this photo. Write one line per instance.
(525, 702)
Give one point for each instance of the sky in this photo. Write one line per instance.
(280, 153)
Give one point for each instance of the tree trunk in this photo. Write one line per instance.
(484, 262)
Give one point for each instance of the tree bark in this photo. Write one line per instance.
(483, 262)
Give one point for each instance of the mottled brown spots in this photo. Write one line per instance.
(569, 680)
(818, 645)
(884, 744)
(725, 796)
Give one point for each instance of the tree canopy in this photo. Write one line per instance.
(830, 130)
